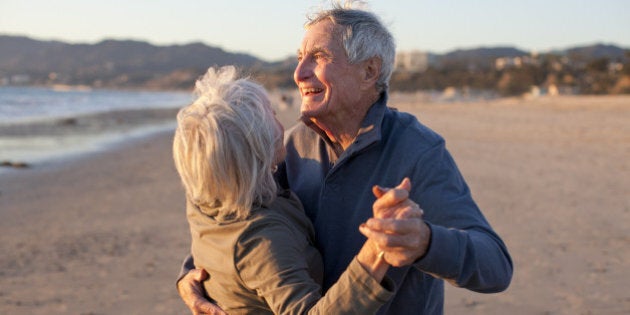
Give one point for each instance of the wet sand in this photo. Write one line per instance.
(40, 141)
(105, 232)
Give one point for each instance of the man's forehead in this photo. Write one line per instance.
(318, 38)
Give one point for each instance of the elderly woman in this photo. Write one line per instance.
(252, 237)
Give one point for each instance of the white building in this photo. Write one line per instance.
(412, 61)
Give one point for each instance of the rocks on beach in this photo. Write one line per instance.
(13, 164)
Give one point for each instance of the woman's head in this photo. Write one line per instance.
(225, 145)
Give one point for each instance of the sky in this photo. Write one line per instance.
(272, 29)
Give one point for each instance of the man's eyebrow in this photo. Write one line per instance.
(311, 51)
(318, 50)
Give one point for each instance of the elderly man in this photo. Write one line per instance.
(350, 141)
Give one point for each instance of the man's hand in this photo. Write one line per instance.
(397, 226)
(191, 291)
(390, 200)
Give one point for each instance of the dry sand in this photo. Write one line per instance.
(105, 233)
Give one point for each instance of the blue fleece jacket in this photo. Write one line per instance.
(337, 197)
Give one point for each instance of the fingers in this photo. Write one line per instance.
(389, 200)
(394, 227)
(379, 191)
(198, 275)
(409, 212)
(403, 241)
(387, 241)
(393, 254)
(405, 184)
(406, 209)
(188, 283)
(398, 227)
(191, 291)
(205, 307)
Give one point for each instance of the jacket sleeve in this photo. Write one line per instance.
(273, 264)
(464, 249)
(187, 265)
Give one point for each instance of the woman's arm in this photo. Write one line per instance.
(272, 263)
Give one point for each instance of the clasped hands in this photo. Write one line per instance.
(397, 228)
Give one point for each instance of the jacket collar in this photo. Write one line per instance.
(369, 132)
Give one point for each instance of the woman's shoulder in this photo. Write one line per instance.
(278, 230)
(285, 212)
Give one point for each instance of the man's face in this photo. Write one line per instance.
(327, 82)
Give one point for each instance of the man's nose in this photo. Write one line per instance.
(303, 71)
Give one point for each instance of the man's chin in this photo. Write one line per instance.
(312, 111)
(308, 113)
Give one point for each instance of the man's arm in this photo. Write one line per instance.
(464, 248)
(461, 247)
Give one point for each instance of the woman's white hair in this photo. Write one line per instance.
(224, 145)
(363, 36)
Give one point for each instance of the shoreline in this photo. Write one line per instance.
(37, 143)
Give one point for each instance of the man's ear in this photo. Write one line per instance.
(371, 71)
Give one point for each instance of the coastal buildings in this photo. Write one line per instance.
(412, 61)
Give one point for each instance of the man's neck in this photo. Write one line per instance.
(342, 130)
(340, 134)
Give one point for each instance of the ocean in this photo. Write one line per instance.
(27, 104)
(38, 125)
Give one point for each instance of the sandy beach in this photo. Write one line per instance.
(105, 232)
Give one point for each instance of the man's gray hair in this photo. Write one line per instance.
(224, 145)
(363, 36)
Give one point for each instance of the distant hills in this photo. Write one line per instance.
(597, 51)
(136, 64)
(33, 55)
(109, 62)
(482, 57)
